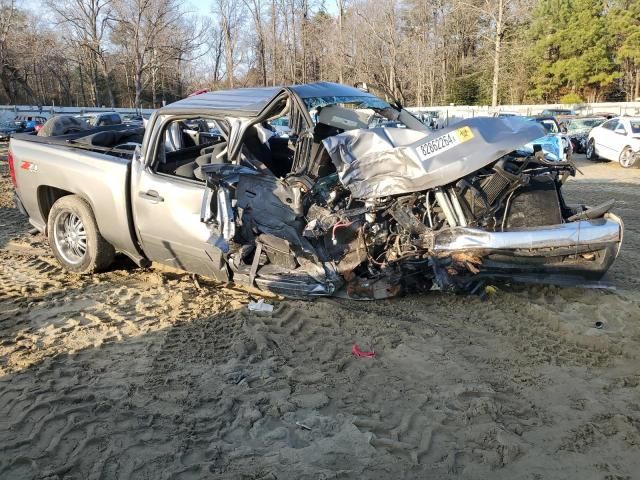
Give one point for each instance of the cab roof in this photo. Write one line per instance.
(250, 102)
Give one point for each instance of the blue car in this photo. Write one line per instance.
(556, 145)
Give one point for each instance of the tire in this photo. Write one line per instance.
(591, 151)
(74, 237)
(627, 158)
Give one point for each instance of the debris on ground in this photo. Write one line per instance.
(355, 350)
(260, 306)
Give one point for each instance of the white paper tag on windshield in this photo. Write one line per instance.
(444, 142)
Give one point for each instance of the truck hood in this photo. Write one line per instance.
(379, 162)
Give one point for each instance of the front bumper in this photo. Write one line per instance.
(570, 236)
(566, 254)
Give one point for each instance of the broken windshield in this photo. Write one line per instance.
(354, 102)
(378, 110)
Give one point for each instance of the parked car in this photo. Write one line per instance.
(558, 112)
(101, 118)
(132, 120)
(335, 209)
(7, 129)
(555, 144)
(29, 123)
(578, 131)
(505, 113)
(617, 140)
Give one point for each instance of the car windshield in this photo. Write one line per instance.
(584, 123)
(549, 125)
(355, 102)
(635, 126)
(361, 102)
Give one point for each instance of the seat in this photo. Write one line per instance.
(208, 155)
(321, 164)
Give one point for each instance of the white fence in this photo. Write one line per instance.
(448, 115)
(9, 112)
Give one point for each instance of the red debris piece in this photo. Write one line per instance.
(355, 350)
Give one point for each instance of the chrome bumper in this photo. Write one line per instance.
(584, 233)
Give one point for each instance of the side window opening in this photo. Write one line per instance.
(188, 144)
(272, 142)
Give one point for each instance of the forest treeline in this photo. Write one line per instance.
(134, 53)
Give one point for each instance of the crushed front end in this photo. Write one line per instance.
(404, 211)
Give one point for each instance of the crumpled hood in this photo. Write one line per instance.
(379, 162)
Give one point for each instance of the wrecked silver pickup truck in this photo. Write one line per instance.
(336, 207)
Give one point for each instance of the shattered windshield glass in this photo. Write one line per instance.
(371, 102)
(379, 110)
(583, 124)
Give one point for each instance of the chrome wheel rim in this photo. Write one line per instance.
(70, 237)
(626, 157)
(589, 150)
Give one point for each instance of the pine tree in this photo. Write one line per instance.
(573, 50)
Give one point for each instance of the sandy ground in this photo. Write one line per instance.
(143, 374)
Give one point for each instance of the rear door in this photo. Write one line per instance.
(167, 210)
(620, 139)
(605, 138)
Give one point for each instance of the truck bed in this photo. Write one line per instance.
(107, 140)
(48, 168)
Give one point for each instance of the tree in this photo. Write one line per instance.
(142, 29)
(230, 15)
(256, 10)
(87, 24)
(624, 22)
(573, 49)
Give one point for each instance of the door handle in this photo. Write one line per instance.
(151, 195)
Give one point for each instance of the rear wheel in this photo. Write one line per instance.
(627, 158)
(74, 237)
(591, 150)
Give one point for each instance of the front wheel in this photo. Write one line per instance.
(627, 158)
(74, 237)
(591, 151)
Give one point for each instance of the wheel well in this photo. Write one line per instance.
(47, 196)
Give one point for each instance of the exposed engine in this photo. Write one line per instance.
(393, 237)
(310, 237)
